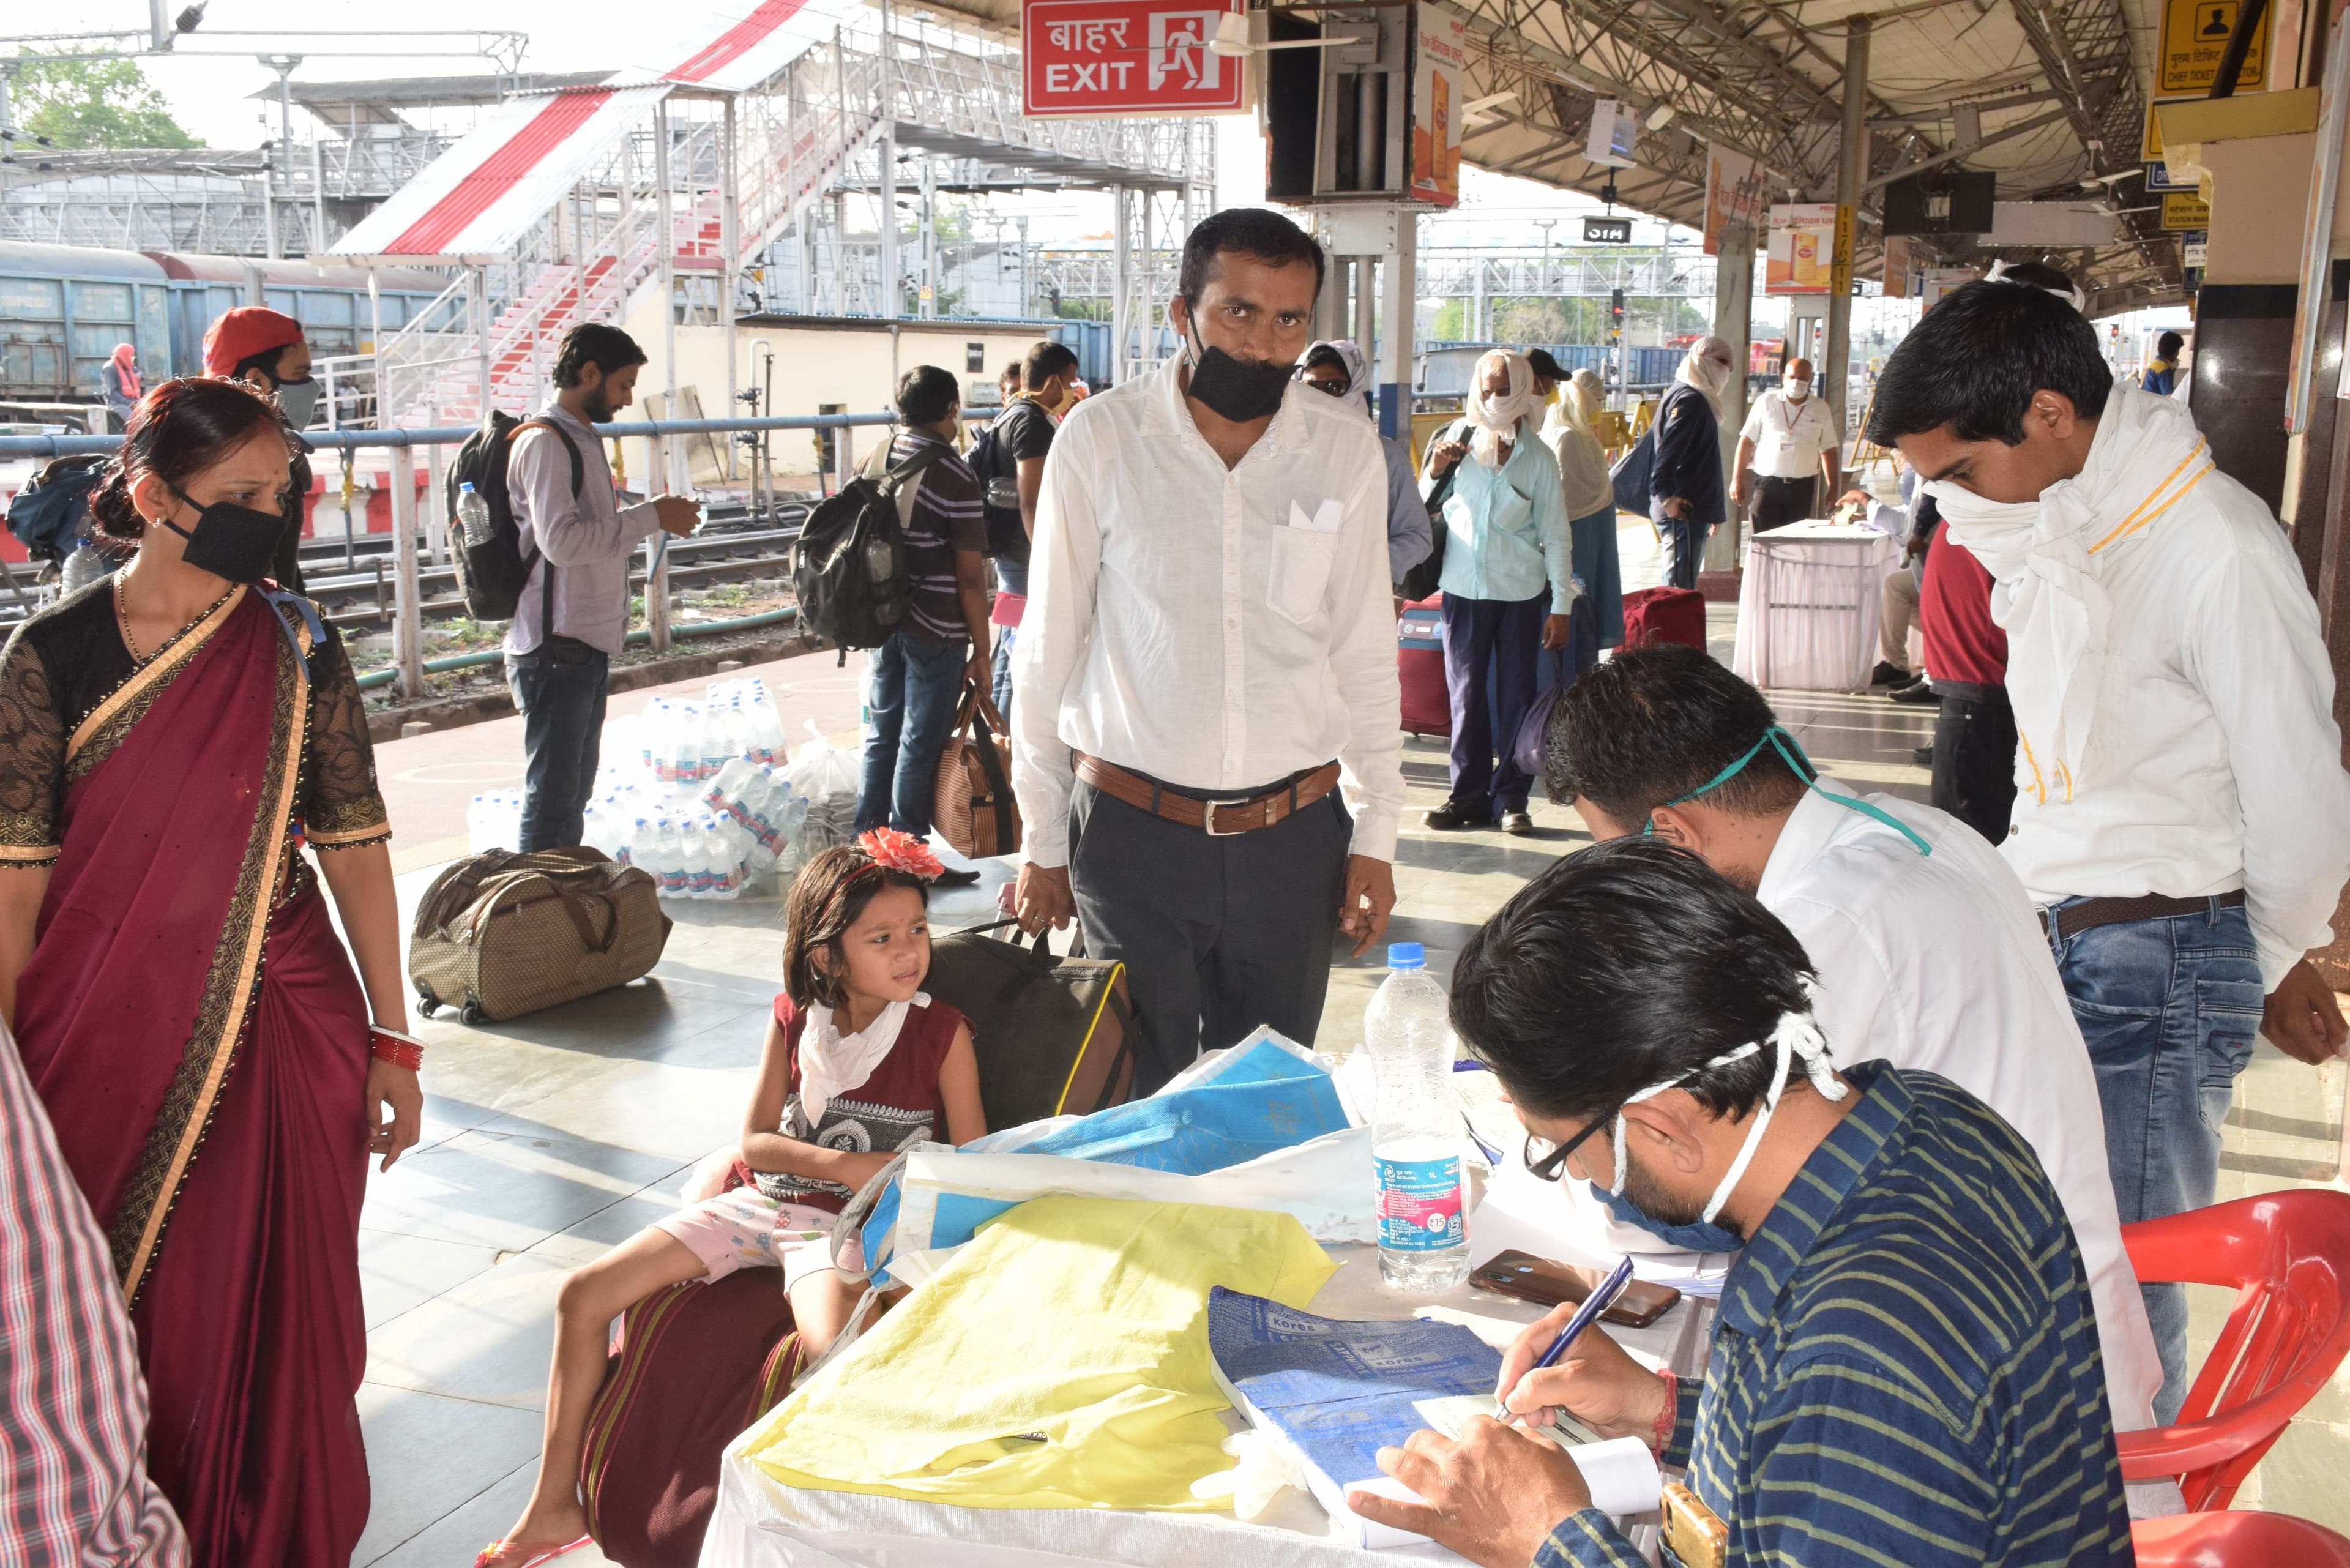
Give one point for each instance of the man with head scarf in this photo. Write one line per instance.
(1338, 368)
(1509, 585)
(1567, 429)
(1685, 496)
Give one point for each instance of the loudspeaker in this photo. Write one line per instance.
(1940, 201)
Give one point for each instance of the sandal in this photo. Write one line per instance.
(495, 1555)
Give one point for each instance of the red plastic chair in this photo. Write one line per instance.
(2237, 1541)
(2288, 1256)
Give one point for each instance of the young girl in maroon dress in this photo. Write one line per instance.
(859, 1064)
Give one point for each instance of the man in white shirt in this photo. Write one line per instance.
(1208, 652)
(1787, 451)
(1926, 946)
(2182, 816)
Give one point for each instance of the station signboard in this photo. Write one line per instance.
(2180, 210)
(2194, 248)
(2195, 35)
(1100, 57)
(1733, 196)
(1607, 230)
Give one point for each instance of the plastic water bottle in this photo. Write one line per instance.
(473, 515)
(768, 743)
(1415, 1133)
(717, 742)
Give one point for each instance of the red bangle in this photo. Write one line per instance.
(399, 1050)
(1670, 1415)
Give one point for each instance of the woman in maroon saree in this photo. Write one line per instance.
(169, 738)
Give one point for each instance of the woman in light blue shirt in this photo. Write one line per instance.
(1508, 582)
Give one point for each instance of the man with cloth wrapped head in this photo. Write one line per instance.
(1685, 492)
(1508, 581)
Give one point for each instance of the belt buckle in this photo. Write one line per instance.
(1208, 810)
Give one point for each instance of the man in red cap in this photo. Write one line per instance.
(265, 348)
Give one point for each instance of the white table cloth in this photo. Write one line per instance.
(759, 1522)
(1809, 603)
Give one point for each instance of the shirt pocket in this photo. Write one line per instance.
(1300, 573)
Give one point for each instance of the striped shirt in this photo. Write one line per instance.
(950, 514)
(1905, 1370)
(74, 1491)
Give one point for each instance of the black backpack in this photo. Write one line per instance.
(49, 515)
(848, 566)
(491, 574)
(1007, 536)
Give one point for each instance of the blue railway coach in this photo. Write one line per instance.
(64, 308)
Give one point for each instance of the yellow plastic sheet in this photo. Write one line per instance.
(1059, 1361)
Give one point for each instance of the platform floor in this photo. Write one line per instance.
(549, 1139)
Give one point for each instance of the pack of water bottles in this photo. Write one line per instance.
(704, 795)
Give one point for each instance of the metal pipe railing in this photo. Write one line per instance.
(449, 435)
(408, 619)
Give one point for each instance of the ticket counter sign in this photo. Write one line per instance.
(2195, 35)
(2180, 210)
(1101, 58)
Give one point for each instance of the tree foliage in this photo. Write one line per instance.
(93, 103)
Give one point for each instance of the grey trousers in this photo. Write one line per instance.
(1218, 934)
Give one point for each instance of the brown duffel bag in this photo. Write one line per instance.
(972, 807)
(502, 933)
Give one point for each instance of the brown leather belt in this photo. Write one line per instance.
(2091, 913)
(1220, 819)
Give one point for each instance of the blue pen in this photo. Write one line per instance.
(1597, 1301)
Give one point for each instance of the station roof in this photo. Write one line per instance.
(2048, 94)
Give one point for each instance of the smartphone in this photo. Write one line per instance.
(1548, 1283)
(1697, 1536)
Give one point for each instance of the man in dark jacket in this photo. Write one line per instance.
(1685, 491)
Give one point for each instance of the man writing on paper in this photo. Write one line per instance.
(1787, 453)
(2182, 819)
(1925, 944)
(1906, 1366)
(1208, 647)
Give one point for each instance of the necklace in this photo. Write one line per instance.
(122, 619)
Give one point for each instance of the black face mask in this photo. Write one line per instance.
(1236, 390)
(231, 541)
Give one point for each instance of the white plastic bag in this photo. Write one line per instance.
(825, 776)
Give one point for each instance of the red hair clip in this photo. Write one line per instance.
(899, 852)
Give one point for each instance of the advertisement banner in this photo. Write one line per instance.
(1614, 132)
(1802, 254)
(1905, 267)
(1099, 57)
(1440, 60)
(1733, 196)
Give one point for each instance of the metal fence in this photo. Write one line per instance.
(409, 664)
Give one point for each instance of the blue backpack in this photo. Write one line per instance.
(50, 516)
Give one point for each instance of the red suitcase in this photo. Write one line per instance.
(1664, 614)
(1419, 665)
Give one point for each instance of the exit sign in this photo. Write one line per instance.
(1607, 230)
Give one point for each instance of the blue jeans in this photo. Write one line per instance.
(559, 687)
(1005, 638)
(2169, 1007)
(1684, 548)
(911, 691)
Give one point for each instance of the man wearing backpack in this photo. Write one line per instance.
(1010, 460)
(573, 613)
(915, 680)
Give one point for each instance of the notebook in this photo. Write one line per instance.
(1337, 1392)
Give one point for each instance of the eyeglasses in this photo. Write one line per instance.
(1546, 1161)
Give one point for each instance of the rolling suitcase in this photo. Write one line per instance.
(1419, 667)
(1664, 614)
(502, 933)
